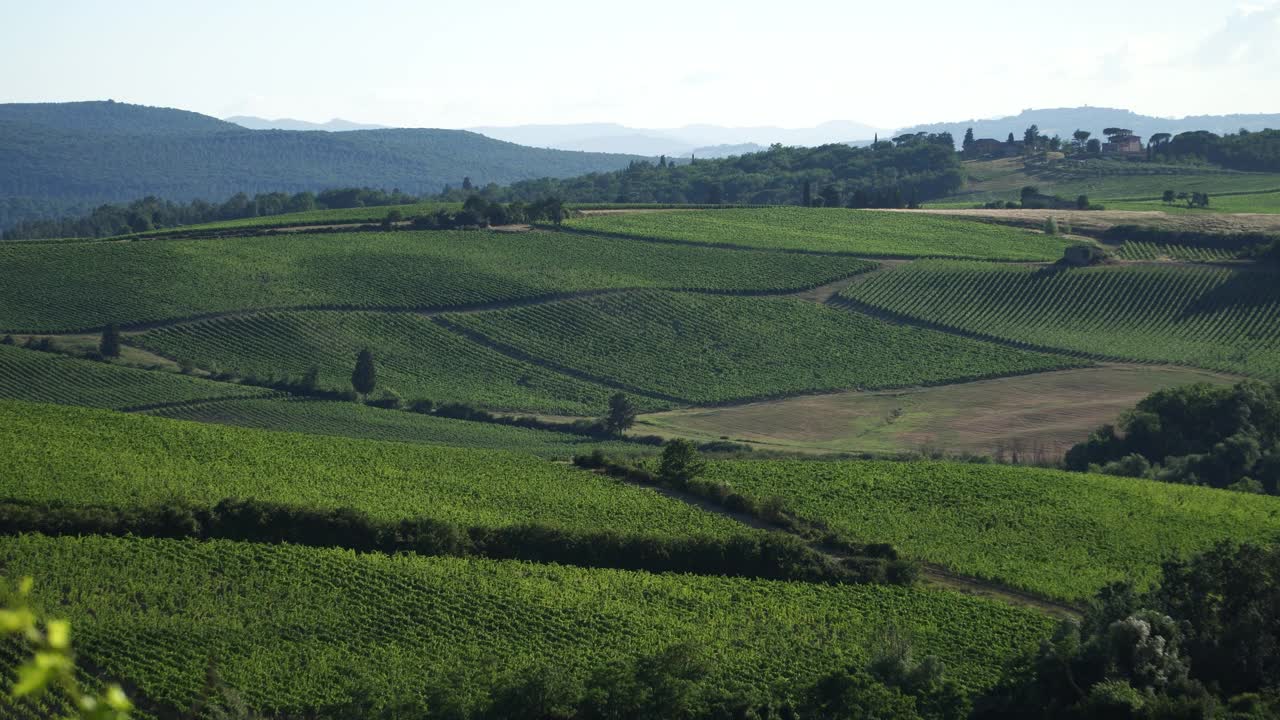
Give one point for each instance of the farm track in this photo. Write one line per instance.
(934, 576)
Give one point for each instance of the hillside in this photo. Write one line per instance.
(1064, 121)
(63, 158)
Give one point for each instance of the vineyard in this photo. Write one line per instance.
(296, 630)
(48, 378)
(95, 457)
(1214, 318)
(834, 230)
(346, 419)
(706, 349)
(1065, 535)
(1137, 250)
(75, 286)
(416, 358)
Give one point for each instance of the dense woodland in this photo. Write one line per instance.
(68, 158)
(911, 168)
(1224, 437)
(1252, 151)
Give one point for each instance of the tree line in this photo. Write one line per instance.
(923, 166)
(1201, 434)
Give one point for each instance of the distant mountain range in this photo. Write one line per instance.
(700, 140)
(707, 141)
(334, 125)
(64, 158)
(1064, 121)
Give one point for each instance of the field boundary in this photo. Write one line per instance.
(432, 310)
(933, 575)
(791, 251)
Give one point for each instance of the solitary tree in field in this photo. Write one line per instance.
(622, 414)
(1010, 140)
(967, 145)
(365, 377)
(1081, 138)
(310, 380)
(806, 195)
(680, 463)
(1168, 197)
(109, 346)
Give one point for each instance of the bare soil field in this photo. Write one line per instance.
(1034, 417)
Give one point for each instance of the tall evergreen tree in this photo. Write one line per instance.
(967, 145)
(806, 197)
(365, 376)
(109, 346)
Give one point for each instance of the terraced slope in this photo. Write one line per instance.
(94, 457)
(1061, 534)
(73, 286)
(45, 377)
(706, 349)
(835, 230)
(1208, 317)
(415, 357)
(345, 419)
(299, 629)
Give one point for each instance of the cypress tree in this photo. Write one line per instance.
(807, 195)
(110, 343)
(365, 376)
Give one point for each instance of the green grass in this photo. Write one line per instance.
(1214, 318)
(49, 378)
(76, 286)
(415, 357)
(1105, 181)
(96, 457)
(1061, 534)
(1262, 202)
(297, 629)
(345, 419)
(703, 349)
(834, 230)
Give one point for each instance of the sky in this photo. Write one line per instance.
(658, 63)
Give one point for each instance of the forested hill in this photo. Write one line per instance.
(887, 174)
(65, 158)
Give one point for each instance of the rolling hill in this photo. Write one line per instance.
(66, 157)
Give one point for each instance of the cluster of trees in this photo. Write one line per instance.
(478, 211)
(1194, 199)
(152, 213)
(1204, 643)
(921, 166)
(1252, 151)
(1223, 437)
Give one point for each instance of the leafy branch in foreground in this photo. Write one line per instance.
(52, 665)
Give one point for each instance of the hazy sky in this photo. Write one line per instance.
(657, 63)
